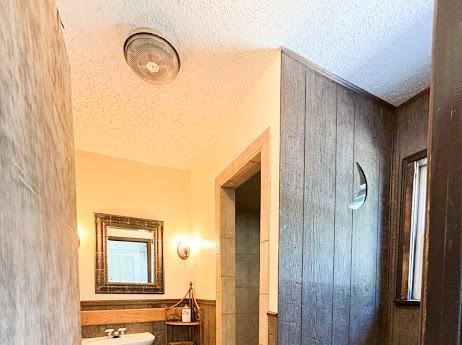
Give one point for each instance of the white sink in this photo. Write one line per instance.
(128, 339)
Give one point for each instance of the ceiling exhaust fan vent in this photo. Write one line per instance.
(151, 57)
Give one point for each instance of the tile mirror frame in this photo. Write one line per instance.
(102, 283)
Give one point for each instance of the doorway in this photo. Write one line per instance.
(247, 261)
(242, 223)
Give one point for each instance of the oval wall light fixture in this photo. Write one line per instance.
(361, 195)
(183, 250)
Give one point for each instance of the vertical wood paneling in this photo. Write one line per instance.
(406, 321)
(364, 243)
(386, 132)
(411, 137)
(291, 196)
(342, 298)
(442, 306)
(319, 209)
(343, 216)
(211, 325)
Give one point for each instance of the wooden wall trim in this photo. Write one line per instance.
(208, 302)
(120, 316)
(128, 302)
(247, 164)
(404, 226)
(125, 304)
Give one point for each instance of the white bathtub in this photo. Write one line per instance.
(128, 339)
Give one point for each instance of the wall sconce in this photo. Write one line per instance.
(81, 234)
(183, 250)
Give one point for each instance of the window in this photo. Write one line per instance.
(128, 260)
(412, 225)
(417, 228)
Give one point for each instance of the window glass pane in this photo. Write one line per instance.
(418, 229)
(127, 261)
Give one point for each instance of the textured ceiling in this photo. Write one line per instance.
(382, 46)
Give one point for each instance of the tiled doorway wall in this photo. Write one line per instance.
(254, 159)
(247, 275)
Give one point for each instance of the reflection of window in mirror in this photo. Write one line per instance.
(129, 255)
(412, 227)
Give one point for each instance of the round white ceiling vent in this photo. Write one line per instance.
(151, 57)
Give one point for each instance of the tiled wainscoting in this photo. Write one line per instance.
(158, 328)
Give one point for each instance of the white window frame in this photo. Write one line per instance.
(418, 219)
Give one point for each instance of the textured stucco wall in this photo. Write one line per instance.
(39, 297)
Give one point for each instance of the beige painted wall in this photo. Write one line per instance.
(122, 187)
(259, 110)
(184, 200)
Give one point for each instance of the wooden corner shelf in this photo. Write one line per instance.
(177, 329)
(179, 323)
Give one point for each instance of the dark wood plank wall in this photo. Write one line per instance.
(291, 181)
(387, 128)
(333, 274)
(209, 327)
(411, 137)
(442, 309)
(272, 328)
(319, 208)
(343, 218)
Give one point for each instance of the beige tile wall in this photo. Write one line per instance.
(247, 276)
(228, 267)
